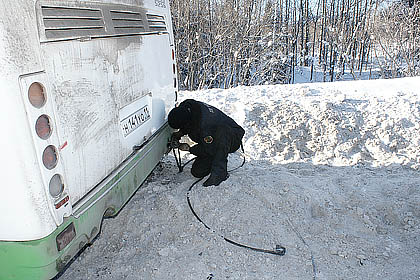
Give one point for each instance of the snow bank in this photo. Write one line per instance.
(373, 123)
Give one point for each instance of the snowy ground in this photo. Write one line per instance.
(332, 174)
(302, 74)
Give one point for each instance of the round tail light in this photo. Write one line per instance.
(56, 185)
(36, 95)
(49, 157)
(43, 127)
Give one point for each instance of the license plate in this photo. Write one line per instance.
(135, 120)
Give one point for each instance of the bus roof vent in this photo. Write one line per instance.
(156, 22)
(127, 22)
(70, 22)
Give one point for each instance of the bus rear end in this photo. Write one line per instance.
(87, 87)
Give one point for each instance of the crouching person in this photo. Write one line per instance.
(215, 133)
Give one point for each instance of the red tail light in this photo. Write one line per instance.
(49, 157)
(36, 95)
(62, 202)
(43, 127)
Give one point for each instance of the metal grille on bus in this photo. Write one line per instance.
(127, 22)
(97, 21)
(156, 22)
(65, 22)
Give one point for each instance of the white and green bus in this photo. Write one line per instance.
(86, 88)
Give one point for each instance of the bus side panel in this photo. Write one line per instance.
(97, 84)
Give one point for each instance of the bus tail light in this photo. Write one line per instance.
(49, 157)
(36, 95)
(174, 70)
(62, 202)
(65, 237)
(43, 127)
(56, 186)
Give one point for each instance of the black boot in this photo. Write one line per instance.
(201, 167)
(215, 180)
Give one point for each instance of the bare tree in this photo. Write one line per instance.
(226, 43)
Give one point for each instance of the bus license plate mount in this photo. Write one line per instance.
(135, 120)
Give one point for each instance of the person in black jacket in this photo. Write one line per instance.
(215, 133)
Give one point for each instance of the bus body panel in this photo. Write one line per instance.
(19, 40)
(93, 85)
(96, 85)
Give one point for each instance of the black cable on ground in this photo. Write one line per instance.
(278, 250)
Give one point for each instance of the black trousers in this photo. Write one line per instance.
(227, 140)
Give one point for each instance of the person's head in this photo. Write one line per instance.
(178, 117)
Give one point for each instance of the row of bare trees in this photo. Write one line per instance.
(396, 34)
(226, 43)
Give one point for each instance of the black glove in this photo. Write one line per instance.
(176, 136)
(184, 147)
(175, 139)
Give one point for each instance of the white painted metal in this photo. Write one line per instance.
(93, 85)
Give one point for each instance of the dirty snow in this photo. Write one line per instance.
(331, 173)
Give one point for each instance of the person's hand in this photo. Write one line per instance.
(176, 136)
(184, 147)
